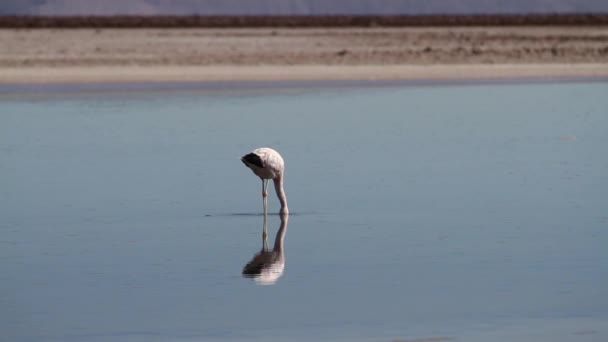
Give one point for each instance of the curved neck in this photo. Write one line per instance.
(278, 186)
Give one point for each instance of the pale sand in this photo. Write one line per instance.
(118, 74)
(156, 55)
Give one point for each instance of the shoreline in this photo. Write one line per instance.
(262, 73)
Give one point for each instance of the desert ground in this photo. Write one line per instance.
(199, 54)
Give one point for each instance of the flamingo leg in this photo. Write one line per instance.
(264, 187)
(265, 193)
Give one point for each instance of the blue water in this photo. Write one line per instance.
(429, 213)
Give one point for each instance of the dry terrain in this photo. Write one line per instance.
(284, 46)
(28, 51)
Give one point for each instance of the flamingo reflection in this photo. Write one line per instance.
(267, 266)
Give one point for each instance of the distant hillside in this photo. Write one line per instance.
(295, 7)
(304, 21)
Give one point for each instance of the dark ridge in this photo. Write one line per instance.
(252, 159)
(301, 21)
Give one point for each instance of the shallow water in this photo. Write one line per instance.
(465, 213)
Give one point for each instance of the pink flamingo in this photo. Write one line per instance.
(268, 164)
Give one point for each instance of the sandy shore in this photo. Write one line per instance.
(146, 55)
(119, 74)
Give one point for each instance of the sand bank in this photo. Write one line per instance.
(132, 55)
(292, 73)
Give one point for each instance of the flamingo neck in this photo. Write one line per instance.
(278, 186)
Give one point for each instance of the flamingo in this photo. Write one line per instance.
(267, 164)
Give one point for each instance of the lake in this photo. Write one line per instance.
(419, 212)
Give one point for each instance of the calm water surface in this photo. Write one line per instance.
(464, 213)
